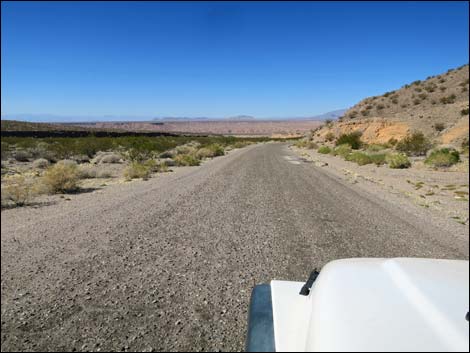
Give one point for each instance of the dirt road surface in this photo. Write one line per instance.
(169, 263)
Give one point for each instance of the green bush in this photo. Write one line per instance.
(415, 144)
(360, 158)
(444, 157)
(342, 150)
(62, 177)
(324, 150)
(186, 160)
(378, 158)
(353, 139)
(397, 161)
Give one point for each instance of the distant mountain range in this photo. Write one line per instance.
(50, 118)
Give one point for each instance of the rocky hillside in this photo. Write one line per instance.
(437, 106)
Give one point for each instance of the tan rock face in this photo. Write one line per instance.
(373, 130)
(457, 133)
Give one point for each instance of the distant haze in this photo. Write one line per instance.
(50, 118)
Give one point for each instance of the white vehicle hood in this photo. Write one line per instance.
(376, 305)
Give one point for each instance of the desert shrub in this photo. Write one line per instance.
(41, 163)
(360, 158)
(380, 107)
(216, 149)
(330, 136)
(464, 111)
(444, 157)
(397, 160)
(62, 177)
(186, 149)
(416, 101)
(392, 141)
(204, 153)
(464, 146)
(324, 149)
(22, 155)
(137, 170)
(353, 139)
(18, 190)
(415, 144)
(395, 101)
(378, 158)
(448, 100)
(439, 127)
(186, 160)
(342, 150)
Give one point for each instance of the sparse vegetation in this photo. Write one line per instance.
(464, 111)
(397, 161)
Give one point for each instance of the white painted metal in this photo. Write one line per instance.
(376, 305)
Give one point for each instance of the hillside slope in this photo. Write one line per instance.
(437, 106)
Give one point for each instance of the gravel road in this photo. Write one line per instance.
(169, 263)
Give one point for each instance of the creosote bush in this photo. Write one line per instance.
(444, 157)
(397, 160)
(415, 144)
(353, 139)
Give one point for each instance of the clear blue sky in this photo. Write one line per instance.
(215, 59)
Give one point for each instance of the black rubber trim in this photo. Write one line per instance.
(260, 336)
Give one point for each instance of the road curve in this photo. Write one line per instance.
(168, 264)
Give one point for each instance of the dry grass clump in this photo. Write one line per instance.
(62, 177)
(137, 170)
(18, 190)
